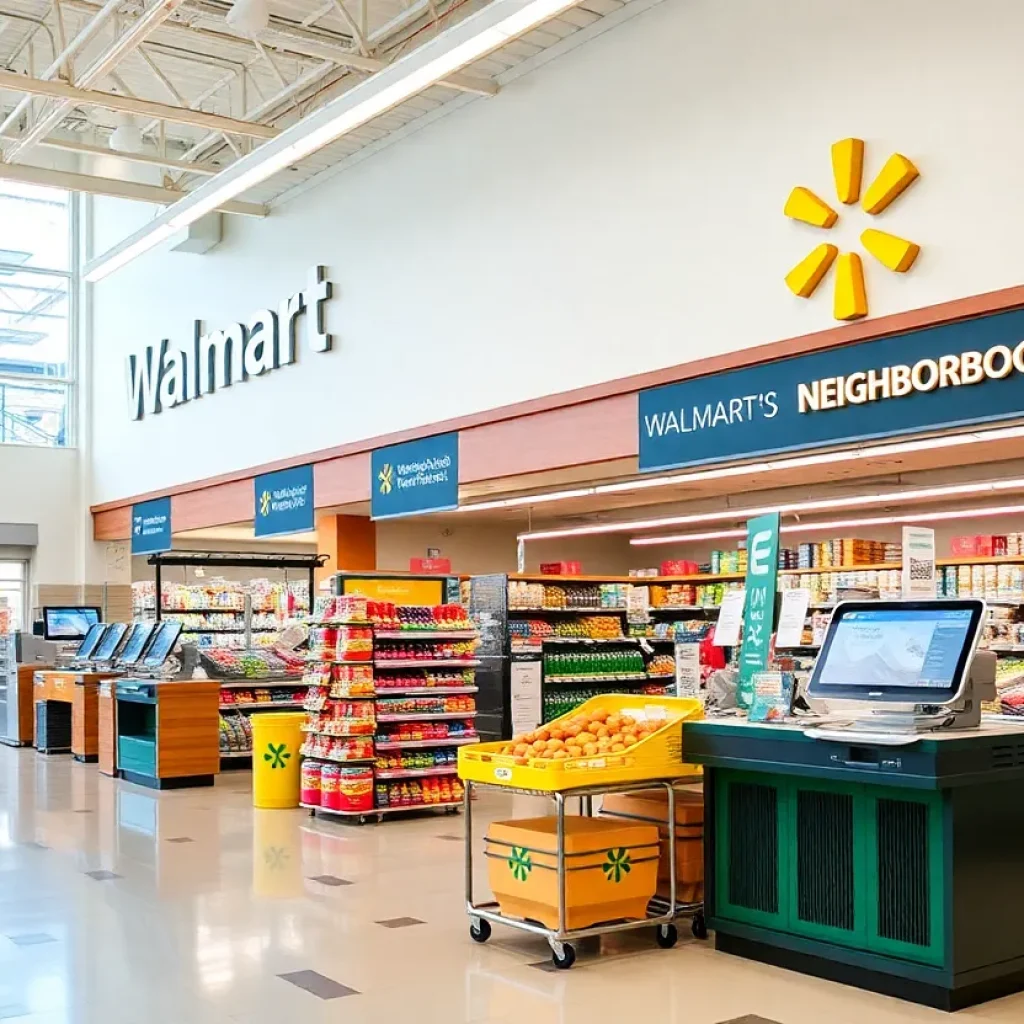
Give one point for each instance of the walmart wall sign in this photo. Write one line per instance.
(162, 377)
(415, 477)
(957, 374)
(284, 502)
(151, 526)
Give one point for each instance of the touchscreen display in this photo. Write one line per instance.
(68, 623)
(164, 639)
(92, 638)
(135, 643)
(896, 648)
(111, 641)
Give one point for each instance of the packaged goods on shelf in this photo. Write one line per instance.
(728, 562)
(690, 595)
(562, 665)
(225, 663)
(679, 567)
(415, 732)
(337, 748)
(235, 734)
(425, 679)
(437, 759)
(446, 705)
(336, 787)
(423, 650)
(419, 792)
(661, 665)
(342, 718)
(341, 643)
(261, 695)
(524, 594)
(986, 545)
(283, 600)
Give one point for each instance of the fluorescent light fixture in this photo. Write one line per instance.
(785, 508)
(493, 26)
(837, 524)
(725, 472)
(249, 17)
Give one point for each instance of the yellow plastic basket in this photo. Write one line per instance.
(660, 756)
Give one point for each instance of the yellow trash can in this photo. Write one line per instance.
(276, 739)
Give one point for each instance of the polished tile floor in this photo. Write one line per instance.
(123, 906)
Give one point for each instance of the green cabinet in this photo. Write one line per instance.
(845, 863)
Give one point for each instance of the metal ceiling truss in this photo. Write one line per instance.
(175, 66)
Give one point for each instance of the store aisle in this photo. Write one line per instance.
(124, 906)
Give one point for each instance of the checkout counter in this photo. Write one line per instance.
(881, 852)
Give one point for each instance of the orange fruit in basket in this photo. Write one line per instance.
(573, 730)
(590, 749)
(628, 720)
(585, 737)
(521, 749)
(628, 740)
(603, 744)
(554, 744)
(557, 733)
(522, 760)
(539, 747)
(616, 738)
(614, 723)
(544, 734)
(507, 749)
(573, 751)
(598, 715)
(559, 755)
(600, 731)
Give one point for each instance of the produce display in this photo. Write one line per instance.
(662, 665)
(690, 595)
(594, 663)
(361, 709)
(586, 734)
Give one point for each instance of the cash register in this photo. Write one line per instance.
(879, 846)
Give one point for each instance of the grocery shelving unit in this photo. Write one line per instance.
(393, 720)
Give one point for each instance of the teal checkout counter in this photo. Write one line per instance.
(894, 869)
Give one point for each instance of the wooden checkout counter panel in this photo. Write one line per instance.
(160, 734)
(63, 694)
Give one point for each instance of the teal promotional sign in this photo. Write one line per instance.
(284, 502)
(759, 608)
(151, 526)
(415, 477)
(967, 372)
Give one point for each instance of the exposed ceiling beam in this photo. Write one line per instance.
(10, 81)
(139, 158)
(147, 22)
(328, 51)
(28, 175)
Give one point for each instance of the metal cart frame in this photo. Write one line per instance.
(560, 939)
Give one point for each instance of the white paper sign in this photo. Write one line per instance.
(791, 618)
(730, 619)
(918, 562)
(687, 670)
(524, 679)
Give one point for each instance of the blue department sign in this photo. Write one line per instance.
(284, 502)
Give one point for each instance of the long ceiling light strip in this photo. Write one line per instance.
(796, 507)
(931, 517)
(450, 51)
(755, 468)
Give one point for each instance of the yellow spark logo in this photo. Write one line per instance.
(265, 503)
(385, 476)
(893, 252)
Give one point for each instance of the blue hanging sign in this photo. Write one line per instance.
(151, 526)
(284, 502)
(415, 477)
(967, 372)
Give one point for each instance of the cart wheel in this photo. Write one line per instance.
(699, 926)
(567, 958)
(666, 935)
(480, 931)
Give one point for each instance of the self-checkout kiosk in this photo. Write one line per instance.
(879, 845)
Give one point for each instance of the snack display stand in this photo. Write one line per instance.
(390, 700)
(653, 763)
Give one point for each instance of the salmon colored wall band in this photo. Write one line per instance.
(588, 425)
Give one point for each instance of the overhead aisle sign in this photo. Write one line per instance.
(284, 502)
(956, 374)
(151, 526)
(415, 477)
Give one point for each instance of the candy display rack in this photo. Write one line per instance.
(390, 699)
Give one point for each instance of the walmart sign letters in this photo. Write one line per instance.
(162, 378)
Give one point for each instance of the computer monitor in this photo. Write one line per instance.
(132, 648)
(88, 645)
(165, 636)
(898, 652)
(68, 623)
(108, 647)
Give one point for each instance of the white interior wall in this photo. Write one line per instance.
(617, 210)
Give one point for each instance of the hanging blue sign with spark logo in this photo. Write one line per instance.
(151, 526)
(284, 502)
(415, 477)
